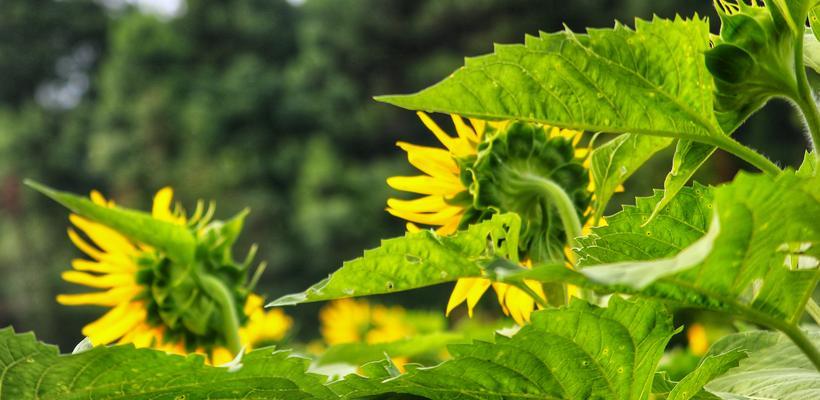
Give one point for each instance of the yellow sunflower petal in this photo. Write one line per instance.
(422, 204)
(98, 199)
(475, 294)
(479, 125)
(104, 237)
(501, 293)
(520, 305)
(101, 267)
(221, 356)
(441, 157)
(459, 148)
(98, 281)
(83, 245)
(161, 208)
(111, 297)
(464, 289)
(422, 184)
(437, 218)
(464, 131)
(115, 323)
(450, 227)
(411, 227)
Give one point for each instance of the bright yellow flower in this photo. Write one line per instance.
(114, 268)
(443, 204)
(698, 340)
(352, 321)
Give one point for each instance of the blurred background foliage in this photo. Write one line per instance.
(259, 103)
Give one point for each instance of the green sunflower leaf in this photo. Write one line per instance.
(650, 80)
(756, 266)
(615, 161)
(775, 369)
(688, 158)
(692, 385)
(416, 260)
(33, 370)
(175, 240)
(576, 352)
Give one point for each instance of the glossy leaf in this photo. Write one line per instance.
(775, 369)
(615, 161)
(650, 80)
(417, 260)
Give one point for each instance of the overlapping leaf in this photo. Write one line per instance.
(775, 369)
(32, 370)
(577, 352)
(416, 260)
(615, 161)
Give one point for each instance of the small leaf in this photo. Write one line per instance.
(710, 367)
(417, 260)
(615, 161)
(688, 158)
(175, 240)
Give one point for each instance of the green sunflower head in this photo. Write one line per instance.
(183, 298)
(507, 176)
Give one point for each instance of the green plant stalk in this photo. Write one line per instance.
(805, 99)
(569, 218)
(562, 203)
(230, 320)
(758, 160)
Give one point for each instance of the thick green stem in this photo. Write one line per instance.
(224, 299)
(802, 341)
(752, 157)
(805, 100)
(562, 203)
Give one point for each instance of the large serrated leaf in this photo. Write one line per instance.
(416, 260)
(775, 369)
(576, 352)
(32, 370)
(650, 80)
(175, 240)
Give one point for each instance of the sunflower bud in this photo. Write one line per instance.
(753, 58)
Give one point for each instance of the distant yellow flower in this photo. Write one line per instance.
(446, 199)
(698, 341)
(115, 267)
(352, 321)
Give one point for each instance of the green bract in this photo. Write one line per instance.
(507, 177)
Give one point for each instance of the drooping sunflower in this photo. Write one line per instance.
(469, 179)
(132, 278)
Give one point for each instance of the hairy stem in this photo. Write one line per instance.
(566, 208)
(758, 160)
(223, 298)
(805, 100)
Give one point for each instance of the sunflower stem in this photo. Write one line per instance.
(224, 299)
(559, 198)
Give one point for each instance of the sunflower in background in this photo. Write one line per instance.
(469, 179)
(145, 308)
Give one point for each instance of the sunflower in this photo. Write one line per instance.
(119, 266)
(352, 321)
(455, 179)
